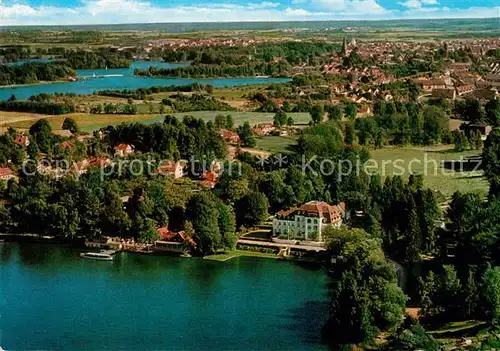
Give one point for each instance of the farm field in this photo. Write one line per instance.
(90, 122)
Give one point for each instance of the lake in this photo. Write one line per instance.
(50, 298)
(126, 80)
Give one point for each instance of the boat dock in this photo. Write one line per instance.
(280, 245)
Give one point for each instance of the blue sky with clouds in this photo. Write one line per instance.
(28, 12)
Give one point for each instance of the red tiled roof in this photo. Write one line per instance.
(5, 172)
(167, 167)
(229, 135)
(99, 161)
(318, 209)
(167, 235)
(21, 139)
(122, 147)
(66, 145)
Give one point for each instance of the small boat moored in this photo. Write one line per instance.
(102, 256)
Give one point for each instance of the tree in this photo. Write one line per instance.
(471, 111)
(280, 118)
(202, 211)
(413, 337)
(366, 298)
(317, 113)
(229, 122)
(351, 111)
(349, 133)
(146, 230)
(42, 133)
(70, 124)
(435, 124)
(220, 122)
(335, 113)
(414, 236)
(251, 209)
(227, 226)
(461, 141)
(491, 161)
(491, 286)
(246, 135)
(290, 122)
(12, 98)
(470, 294)
(492, 109)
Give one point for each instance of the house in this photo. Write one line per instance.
(263, 129)
(446, 93)
(209, 180)
(103, 243)
(308, 221)
(179, 242)
(99, 162)
(123, 150)
(22, 139)
(229, 136)
(480, 128)
(364, 110)
(6, 174)
(175, 169)
(431, 84)
(485, 94)
(493, 78)
(67, 145)
(465, 89)
(82, 167)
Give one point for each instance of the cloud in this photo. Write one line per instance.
(140, 11)
(415, 4)
(352, 7)
(303, 13)
(411, 4)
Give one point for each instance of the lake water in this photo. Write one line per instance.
(52, 299)
(126, 81)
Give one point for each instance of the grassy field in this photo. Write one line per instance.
(428, 161)
(89, 122)
(406, 160)
(239, 253)
(276, 144)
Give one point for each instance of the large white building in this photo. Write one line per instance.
(308, 221)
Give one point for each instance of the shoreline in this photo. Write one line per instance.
(43, 82)
(79, 244)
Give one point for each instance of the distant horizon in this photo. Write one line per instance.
(255, 21)
(246, 23)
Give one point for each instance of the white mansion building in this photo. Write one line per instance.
(308, 221)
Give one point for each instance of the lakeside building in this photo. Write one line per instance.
(308, 221)
(179, 242)
(104, 243)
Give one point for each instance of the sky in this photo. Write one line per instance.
(73, 12)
